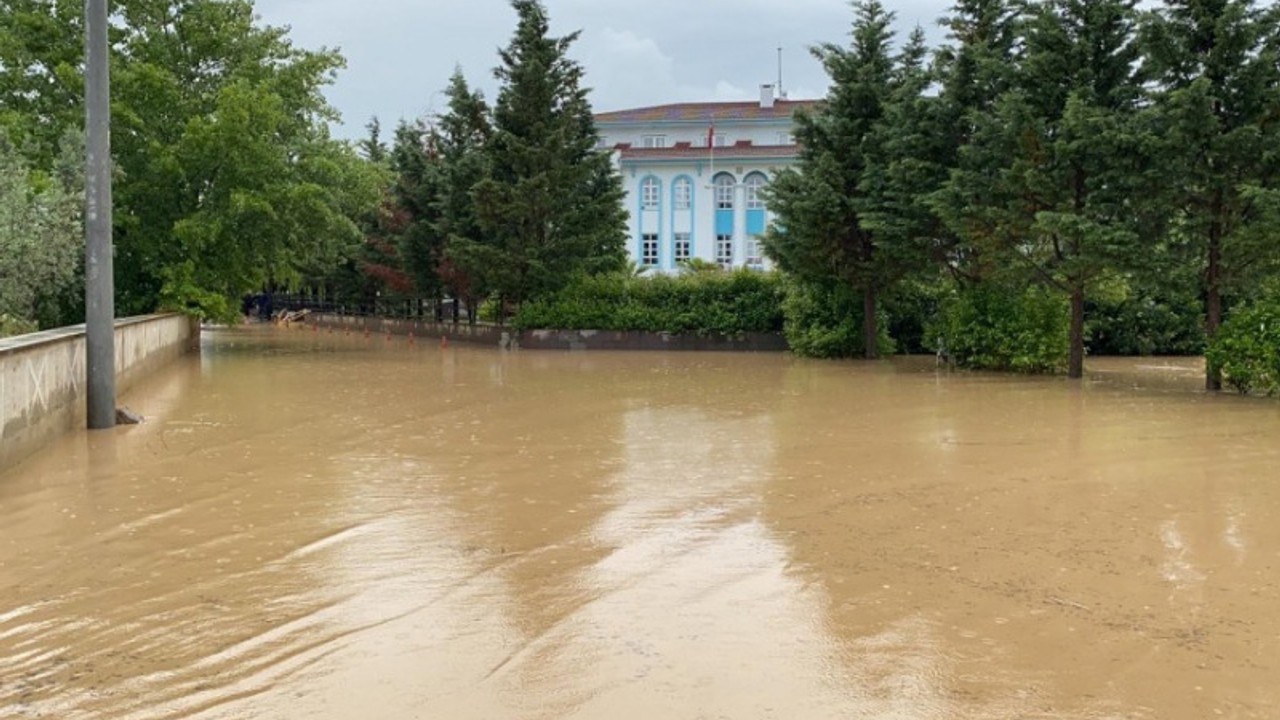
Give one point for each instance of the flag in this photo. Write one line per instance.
(711, 134)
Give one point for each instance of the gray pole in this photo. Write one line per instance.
(99, 284)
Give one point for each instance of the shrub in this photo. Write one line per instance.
(1124, 318)
(995, 327)
(1246, 349)
(701, 303)
(825, 321)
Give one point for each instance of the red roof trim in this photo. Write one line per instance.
(702, 153)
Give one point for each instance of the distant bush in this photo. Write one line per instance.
(825, 321)
(10, 325)
(1246, 349)
(700, 303)
(1127, 319)
(996, 327)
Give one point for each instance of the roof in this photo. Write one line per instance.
(704, 112)
(700, 153)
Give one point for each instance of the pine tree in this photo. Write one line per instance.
(552, 201)
(846, 213)
(416, 196)
(973, 73)
(460, 139)
(1218, 69)
(1064, 155)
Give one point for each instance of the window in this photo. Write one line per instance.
(649, 249)
(649, 192)
(724, 250)
(754, 257)
(683, 246)
(754, 182)
(724, 192)
(653, 141)
(683, 193)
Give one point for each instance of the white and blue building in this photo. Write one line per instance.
(693, 174)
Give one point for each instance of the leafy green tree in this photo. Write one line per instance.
(227, 180)
(41, 80)
(552, 202)
(41, 238)
(1218, 70)
(848, 211)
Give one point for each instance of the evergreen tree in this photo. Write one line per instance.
(1065, 155)
(418, 187)
(1218, 69)
(373, 148)
(460, 138)
(847, 212)
(552, 202)
(973, 74)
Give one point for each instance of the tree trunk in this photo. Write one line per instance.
(1075, 362)
(870, 335)
(1213, 301)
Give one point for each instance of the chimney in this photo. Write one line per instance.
(766, 96)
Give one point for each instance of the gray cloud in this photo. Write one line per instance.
(400, 53)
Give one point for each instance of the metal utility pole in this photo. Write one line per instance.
(99, 282)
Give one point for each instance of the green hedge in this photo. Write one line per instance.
(702, 303)
(1246, 349)
(995, 327)
(825, 321)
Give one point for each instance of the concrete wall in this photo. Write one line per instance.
(494, 336)
(42, 375)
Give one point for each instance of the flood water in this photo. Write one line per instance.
(317, 526)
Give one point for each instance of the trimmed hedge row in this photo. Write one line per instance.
(704, 303)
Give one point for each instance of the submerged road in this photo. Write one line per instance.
(316, 526)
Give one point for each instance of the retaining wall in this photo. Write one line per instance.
(42, 375)
(495, 336)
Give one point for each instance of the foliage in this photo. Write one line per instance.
(848, 212)
(992, 326)
(1246, 349)
(180, 292)
(226, 175)
(461, 138)
(696, 265)
(551, 202)
(825, 320)
(910, 309)
(1142, 316)
(10, 326)
(41, 237)
(1217, 67)
(727, 303)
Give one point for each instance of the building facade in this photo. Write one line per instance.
(693, 174)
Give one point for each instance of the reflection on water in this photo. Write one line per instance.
(333, 526)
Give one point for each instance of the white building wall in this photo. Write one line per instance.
(700, 220)
(757, 132)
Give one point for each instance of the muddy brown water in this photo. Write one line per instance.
(316, 526)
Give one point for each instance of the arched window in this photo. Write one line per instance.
(754, 182)
(650, 190)
(683, 191)
(724, 184)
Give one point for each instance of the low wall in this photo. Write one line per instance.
(42, 375)
(495, 336)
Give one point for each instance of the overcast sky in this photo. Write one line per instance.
(400, 53)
